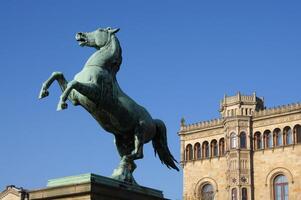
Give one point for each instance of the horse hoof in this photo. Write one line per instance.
(43, 93)
(62, 106)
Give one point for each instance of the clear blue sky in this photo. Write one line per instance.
(179, 59)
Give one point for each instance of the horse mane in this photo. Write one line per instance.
(112, 51)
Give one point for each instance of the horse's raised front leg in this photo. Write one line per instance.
(90, 90)
(54, 76)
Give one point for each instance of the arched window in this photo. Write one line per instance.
(214, 148)
(207, 192)
(288, 136)
(297, 132)
(221, 146)
(280, 188)
(244, 194)
(268, 139)
(188, 152)
(205, 148)
(257, 142)
(243, 140)
(234, 194)
(197, 151)
(278, 137)
(233, 141)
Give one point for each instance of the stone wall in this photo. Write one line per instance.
(271, 162)
(197, 173)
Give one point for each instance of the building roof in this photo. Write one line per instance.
(13, 190)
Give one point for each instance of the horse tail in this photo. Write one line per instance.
(160, 146)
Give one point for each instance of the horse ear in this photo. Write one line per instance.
(115, 30)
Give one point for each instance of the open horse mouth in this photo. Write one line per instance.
(81, 38)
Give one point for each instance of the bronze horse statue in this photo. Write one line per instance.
(96, 89)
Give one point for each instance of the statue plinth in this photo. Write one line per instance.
(93, 187)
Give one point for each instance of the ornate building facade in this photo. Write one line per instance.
(249, 153)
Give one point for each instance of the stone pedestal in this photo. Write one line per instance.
(93, 187)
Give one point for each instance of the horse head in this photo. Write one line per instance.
(104, 40)
(97, 39)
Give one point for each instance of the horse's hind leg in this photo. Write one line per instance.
(124, 148)
(54, 76)
(126, 167)
(137, 153)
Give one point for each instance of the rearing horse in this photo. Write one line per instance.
(96, 89)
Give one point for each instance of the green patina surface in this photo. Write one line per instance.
(96, 88)
(94, 178)
(82, 178)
